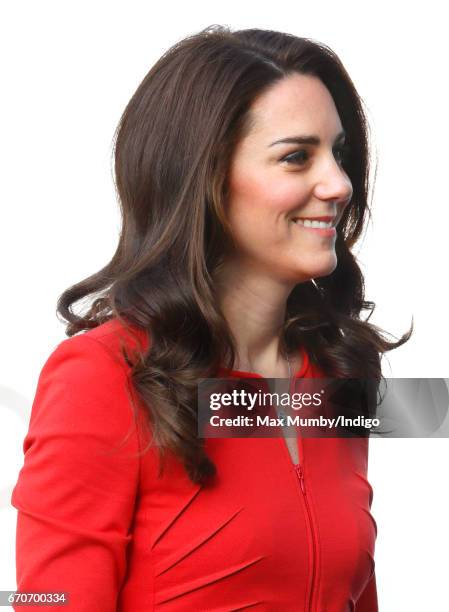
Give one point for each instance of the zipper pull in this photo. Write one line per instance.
(300, 474)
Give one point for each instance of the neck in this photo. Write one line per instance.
(254, 307)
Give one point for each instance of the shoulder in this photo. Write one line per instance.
(116, 334)
(97, 352)
(86, 377)
(108, 339)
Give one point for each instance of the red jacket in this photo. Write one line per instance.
(102, 527)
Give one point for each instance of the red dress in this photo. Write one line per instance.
(100, 526)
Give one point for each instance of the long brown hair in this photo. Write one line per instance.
(173, 147)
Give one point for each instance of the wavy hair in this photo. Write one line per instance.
(173, 147)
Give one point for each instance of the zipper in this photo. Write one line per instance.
(300, 473)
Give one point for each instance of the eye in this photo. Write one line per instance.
(300, 157)
(343, 151)
(296, 158)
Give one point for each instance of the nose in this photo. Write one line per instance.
(334, 184)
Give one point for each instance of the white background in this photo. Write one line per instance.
(68, 71)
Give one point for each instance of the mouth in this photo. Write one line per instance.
(324, 226)
(323, 222)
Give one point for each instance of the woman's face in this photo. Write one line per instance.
(270, 183)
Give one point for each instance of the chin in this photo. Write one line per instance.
(325, 270)
(319, 268)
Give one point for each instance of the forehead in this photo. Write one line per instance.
(296, 104)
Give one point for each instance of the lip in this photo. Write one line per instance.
(321, 231)
(326, 219)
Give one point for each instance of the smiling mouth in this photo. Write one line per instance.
(316, 222)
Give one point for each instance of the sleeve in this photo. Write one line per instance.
(76, 491)
(367, 602)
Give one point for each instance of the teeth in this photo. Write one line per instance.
(309, 223)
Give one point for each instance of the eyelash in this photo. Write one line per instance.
(343, 149)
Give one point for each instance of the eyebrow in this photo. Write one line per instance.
(312, 140)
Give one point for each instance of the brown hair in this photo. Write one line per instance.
(173, 147)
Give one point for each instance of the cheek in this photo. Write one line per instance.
(263, 199)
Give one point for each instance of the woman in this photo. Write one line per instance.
(230, 145)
